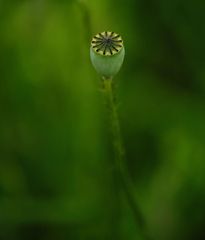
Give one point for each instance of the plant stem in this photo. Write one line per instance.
(86, 19)
(119, 150)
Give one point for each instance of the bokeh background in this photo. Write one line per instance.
(56, 159)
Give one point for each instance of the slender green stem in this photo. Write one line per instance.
(86, 19)
(120, 164)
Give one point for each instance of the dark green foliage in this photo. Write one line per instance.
(56, 159)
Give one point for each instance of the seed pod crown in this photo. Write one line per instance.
(107, 43)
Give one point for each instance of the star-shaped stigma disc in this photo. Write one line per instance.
(107, 43)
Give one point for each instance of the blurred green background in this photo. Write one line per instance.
(56, 159)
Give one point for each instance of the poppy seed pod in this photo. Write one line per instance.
(107, 53)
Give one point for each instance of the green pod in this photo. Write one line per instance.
(107, 53)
